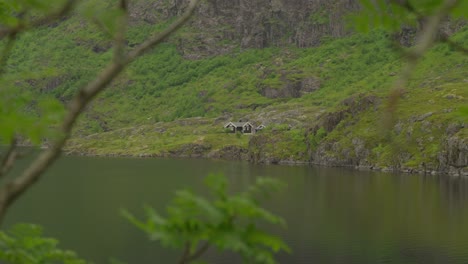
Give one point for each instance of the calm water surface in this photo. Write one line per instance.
(333, 215)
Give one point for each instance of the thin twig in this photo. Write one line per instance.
(101, 26)
(9, 159)
(424, 41)
(199, 252)
(186, 253)
(119, 47)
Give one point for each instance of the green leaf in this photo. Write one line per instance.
(24, 244)
(274, 243)
(227, 222)
(217, 184)
(367, 4)
(461, 10)
(104, 17)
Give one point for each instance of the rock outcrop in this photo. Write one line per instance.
(454, 155)
(250, 23)
(410, 146)
(291, 87)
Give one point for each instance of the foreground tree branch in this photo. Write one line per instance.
(187, 257)
(197, 254)
(185, 254)
(9, 158)
(12, 190)
(424, 41)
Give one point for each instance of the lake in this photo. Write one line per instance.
(333, 215)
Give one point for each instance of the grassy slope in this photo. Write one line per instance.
(163, 87)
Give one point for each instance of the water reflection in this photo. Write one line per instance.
(333, 215)
(381, 218)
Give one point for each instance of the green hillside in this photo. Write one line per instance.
(321, 104)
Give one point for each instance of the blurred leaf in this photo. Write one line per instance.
(33, 119)
(391, 16)
(461, 10)
(24, 244)
(275, 243)
(228, 222)
(7, 11)
(105, 17)
(217, 184)
(426, 7)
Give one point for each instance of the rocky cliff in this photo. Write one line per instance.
(221, 25)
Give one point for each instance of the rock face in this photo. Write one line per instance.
(407, 152)
(250, 23)
(229, 153)
(190, 150)
(454, 156)
(291, 88)
(350, 106)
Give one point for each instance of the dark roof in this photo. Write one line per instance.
(238, 124)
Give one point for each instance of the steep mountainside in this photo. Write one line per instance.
(293, 66)
(222, 25)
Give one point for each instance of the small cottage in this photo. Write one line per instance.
(242, 127)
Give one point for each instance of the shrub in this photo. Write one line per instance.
(229, 222)
(24, 244)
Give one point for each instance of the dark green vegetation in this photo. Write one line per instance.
(24, 244)
(168, 105)
(229, 223)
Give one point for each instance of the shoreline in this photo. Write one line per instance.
(454, 172)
